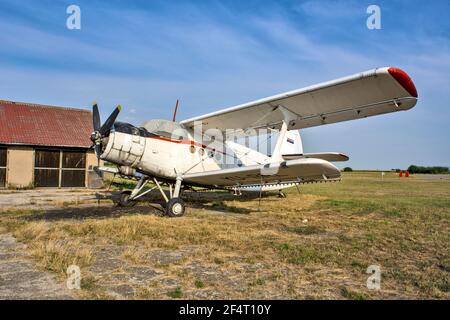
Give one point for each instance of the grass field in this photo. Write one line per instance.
(314, 245)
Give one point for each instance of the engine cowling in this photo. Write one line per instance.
(124, 148)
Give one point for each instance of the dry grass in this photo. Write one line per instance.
(54, 250)
(314, 245)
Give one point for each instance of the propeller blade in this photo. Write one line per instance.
(106, 127)
(98, 150)
(96, 117)
(175, 112)
(98, 153)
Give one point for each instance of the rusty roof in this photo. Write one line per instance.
(41, 125)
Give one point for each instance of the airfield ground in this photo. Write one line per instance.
(314, 245)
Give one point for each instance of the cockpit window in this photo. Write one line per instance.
(160, 128)
(167, 129)
(135, 131)
(124, 127)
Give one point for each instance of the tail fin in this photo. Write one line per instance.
(292, 147)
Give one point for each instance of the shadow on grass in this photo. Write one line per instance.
(216, 201)
(220, 206)
(149, 205)
(82, 213)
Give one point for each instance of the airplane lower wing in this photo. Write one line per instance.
(291, 170)
(366, 94)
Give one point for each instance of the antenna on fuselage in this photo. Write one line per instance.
(175, 112)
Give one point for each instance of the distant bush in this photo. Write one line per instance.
(429, 170)
(348, 169)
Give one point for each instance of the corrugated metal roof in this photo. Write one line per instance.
(33, 124)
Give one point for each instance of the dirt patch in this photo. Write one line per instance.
(19, 278)
(43, 199)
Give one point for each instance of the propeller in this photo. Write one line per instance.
(96, 117)
(101, 131)
(175, 111)
(106, 127)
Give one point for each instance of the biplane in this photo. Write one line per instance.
(204, 151)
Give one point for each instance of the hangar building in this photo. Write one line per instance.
(46, 146)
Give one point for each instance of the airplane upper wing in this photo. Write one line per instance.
(291, 170)
(362, 95)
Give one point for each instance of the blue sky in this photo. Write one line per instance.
(215, 54)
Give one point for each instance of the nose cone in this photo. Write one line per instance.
(404, 80)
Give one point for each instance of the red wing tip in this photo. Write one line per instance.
(404, 80)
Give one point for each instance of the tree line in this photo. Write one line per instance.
(431, 170)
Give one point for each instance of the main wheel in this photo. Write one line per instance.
(175, 207)
(124, 200)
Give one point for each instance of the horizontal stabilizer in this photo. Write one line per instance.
(327, 156)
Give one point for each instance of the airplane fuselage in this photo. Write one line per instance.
(165, 157)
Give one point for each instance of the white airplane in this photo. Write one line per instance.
(203, 152)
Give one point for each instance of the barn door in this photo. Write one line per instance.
(56, 168)
(46, 168)
(3, 154)
(73, 169)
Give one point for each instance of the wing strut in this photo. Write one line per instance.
(277, 156)
(289, 117)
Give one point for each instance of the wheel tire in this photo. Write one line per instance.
(124, 200)
(175, 208)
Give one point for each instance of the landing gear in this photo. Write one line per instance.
(175, 208)
(281, 194)
(124, 200)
